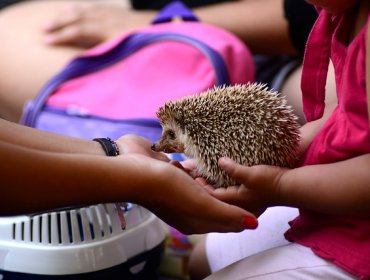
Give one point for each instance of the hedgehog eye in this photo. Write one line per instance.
(171, 134)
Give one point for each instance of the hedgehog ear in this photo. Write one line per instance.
(159, 113)
(163, 114)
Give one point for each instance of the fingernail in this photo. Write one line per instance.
(249, 223)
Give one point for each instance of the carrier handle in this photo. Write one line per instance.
(172, 10)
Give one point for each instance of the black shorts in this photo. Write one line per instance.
(273, 70)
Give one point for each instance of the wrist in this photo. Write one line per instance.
(111, 149)
(96, 148)
(154, 178)
(281, 190)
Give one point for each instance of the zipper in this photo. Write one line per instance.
(86, 65)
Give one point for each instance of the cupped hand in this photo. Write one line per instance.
(258, 189)
(134, 144)
(182, 202)
(88, 24)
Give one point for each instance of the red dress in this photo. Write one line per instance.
(343, 241)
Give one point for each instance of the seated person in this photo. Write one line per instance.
(55, 31)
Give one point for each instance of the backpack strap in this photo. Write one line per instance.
(172, 10)
(368, 70)
(85, 65)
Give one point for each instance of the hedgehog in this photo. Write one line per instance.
(248, 123)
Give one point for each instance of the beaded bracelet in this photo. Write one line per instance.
(110, 147)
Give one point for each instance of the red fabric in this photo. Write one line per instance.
(344, 241)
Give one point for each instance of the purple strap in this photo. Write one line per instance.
(175, 9)
(85, 65)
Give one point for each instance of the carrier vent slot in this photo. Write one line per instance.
(69, 226)
(31, 229)
(22, 231)
(14, 230)
(59, 228)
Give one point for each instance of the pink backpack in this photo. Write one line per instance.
(116, 87)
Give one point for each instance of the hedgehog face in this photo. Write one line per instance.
(171, 140)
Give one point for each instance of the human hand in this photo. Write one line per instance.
(259, 187)
(134, 144)
(189, 166)
(88, 24)
(183, 203)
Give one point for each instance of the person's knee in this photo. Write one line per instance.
(198, 263)
(292, 90)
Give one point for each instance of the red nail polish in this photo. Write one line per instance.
(249, 223)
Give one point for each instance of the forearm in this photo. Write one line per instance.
(259, 23)
(341, 188)
(41, 140)
(36, 181)
(46, 180)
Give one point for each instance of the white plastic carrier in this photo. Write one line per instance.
(80, 241)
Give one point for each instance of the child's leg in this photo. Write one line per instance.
(291, 261)
(221, 249)
(291, 89)
(26, 62)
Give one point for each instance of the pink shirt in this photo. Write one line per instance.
(344, 241)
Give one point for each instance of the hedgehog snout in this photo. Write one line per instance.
(159, 147)
(167, 146)
(163, 148)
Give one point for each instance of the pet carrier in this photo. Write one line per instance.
(82, 243)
